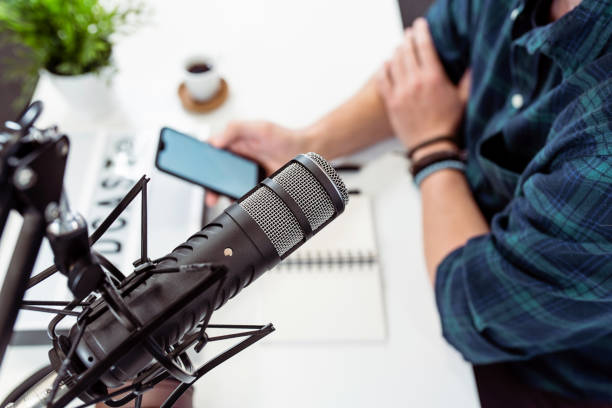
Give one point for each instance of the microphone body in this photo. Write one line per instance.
(250, 237)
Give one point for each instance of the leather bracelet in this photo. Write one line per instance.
(412, 151)
(434, 158)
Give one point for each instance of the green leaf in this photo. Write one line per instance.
(68, 37)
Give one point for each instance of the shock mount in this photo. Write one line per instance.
(32, 165)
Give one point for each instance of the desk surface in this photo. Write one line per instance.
(290, 61)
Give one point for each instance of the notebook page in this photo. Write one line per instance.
(330, 288)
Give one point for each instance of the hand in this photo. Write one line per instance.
(421, 102)
(268, 144)
(157, 395)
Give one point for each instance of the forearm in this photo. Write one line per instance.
(358, 123)
(422, 104)
(450, 216)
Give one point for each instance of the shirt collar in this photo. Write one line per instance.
(576, 38)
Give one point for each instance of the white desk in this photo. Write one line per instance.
(291, 61)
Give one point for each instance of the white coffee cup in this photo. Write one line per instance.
(201, 77)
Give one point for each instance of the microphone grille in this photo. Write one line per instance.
(307, 192)
(331, 173)
(273, 216)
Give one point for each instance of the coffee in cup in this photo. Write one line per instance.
(201, 78)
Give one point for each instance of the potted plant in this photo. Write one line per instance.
(72, 41)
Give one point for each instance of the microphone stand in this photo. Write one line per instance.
(31, 173)
(32, 164)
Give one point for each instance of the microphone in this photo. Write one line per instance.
(138, 329)
(250, 237)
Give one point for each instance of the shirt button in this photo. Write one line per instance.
(514, 14)
(517, 101)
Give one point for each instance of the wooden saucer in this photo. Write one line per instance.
(192, 105)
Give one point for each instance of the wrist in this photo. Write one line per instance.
(444, 180)
(311, 139)
(435, 156)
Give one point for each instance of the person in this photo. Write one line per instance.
(518, 236)
(156, 396)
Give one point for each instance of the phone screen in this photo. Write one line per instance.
(203, 164)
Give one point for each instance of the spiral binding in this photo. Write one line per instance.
(326, 260)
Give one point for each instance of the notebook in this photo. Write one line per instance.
(328, 290)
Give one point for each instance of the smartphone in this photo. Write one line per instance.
(200, 163)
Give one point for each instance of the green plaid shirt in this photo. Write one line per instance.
(537, 291)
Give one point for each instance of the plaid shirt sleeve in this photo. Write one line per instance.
(450, 22)
(541, 281)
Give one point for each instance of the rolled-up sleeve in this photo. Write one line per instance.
(541, 281)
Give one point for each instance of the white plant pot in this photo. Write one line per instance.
(90, 94)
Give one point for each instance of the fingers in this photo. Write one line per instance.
(231, 133)
(401, 67)
(464, 86)
(383, 80)
(211, 198)
(410, 51)
(416, 53)
(244, 148)
(405, 60)
(425, 46)
(230, 138)
(397, 68)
